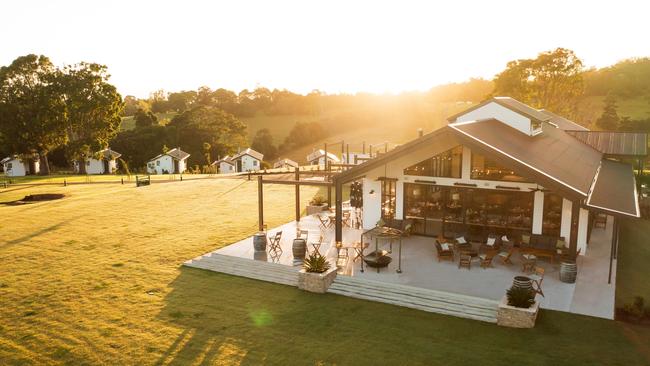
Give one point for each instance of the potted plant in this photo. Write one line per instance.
(316, 275)
(316, 205)
(518, 309)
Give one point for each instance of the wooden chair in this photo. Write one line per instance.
(325, 222)
(316, 245)
(506, 255)
(600, 221)
(486, 259)
(347, 220)
(465, 261)
(274, 242)
(538, 278)
(529, 263)
(444, 253)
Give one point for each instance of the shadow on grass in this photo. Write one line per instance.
(36, 233)
(233, 320)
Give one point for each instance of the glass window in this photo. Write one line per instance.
(424, 204)
(447, 164)
(158, 162)
(552, 218)
(487, 169)
(388, 198)
(520, 211)
(9, 165)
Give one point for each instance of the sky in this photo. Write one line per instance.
(333, 46)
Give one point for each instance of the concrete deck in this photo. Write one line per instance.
(590, 295)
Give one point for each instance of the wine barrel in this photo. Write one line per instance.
(522, 282)
(259, 242)
(568, 271)
(299, 249)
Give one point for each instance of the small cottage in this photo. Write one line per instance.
(225, 165)
(173, 161)
(355, 158)
(317, 157)
(16, 166)
(102, 162)
(285, 163)
(248, 160)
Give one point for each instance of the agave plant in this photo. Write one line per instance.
(520, 297)
(316, 263)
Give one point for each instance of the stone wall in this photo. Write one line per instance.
(510, 316)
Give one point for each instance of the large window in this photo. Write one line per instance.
(488, 169)
(447, 164)
(424, 205)
(552, 219)
(388, 198)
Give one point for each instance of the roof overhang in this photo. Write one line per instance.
(613, 189)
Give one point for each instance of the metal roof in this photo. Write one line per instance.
(563, 123)
(614, 142)
(175, 153)
(611, 189)
(250, 152)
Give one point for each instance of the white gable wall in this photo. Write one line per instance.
(501, 113)
(160, 165)
(249, 163)
(19, 168)
(225, 168)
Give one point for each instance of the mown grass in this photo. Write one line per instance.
(95, 278)
(633, 262)
(76, 178)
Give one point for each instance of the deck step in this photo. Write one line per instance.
(258, 270)
(417, 298)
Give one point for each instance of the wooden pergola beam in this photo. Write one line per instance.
(298, 182)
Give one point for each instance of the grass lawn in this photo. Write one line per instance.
(633, 262)
(96, 278)
(59, 178)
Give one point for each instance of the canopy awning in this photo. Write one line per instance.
(614, 189)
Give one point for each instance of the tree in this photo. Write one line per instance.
(139, 145)
(93, 109)
(144, 118)
(193, 128)
(181, 101)
(303, 134)
(263, 142)
(609, 120)
(553, 80)
(158, 101)
(32, 111)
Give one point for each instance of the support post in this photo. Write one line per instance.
(297, 177)
(364, 148)
(260, 203)
(612, 252)
(575, 219)
(329, 188)
(338, 221)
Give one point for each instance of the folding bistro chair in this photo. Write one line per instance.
(274, 243)
(324, 222)
(302, 234)
(538, 278)
(505, 256)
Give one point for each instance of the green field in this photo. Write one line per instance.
(96, 278)
(128, 123)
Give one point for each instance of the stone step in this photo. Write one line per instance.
(251, 264)
(417, 291)
(417, 298)
(285, 279)
(432, 305)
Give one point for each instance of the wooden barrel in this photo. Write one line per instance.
(522, 282)
(299, 249)
(568, 271)
(259, 242)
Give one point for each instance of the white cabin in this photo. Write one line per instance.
(14, 166)
(173, 161)
(248, 160)
(285, 163)
(103, 162)
(225, 165)
(317, 157)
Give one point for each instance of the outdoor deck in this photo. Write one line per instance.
(590, 295)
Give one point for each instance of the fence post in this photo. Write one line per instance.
(65, 183)
(122, 180)
(181, 177)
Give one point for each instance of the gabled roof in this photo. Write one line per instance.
(553, 153)
(510, 103)
(7, 159)
(614, 142)
(175, 153)
(285, 161)
(250, 152)
(317, 154)
(226, 159)
(109, 154)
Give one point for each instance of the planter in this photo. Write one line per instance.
(316, 282)
(568, 271)
(259, 242)
(299, 249)
(522, 282)
(316, 209)
(513, 317)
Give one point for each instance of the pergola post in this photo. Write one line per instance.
(338, 222)
(575, 219)
(328, 169)
(613, 249)
(297, 178)
(260, 203)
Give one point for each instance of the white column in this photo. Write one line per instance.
(399, 200)
(466, 169)
(371, 203)
(565, 226)
(583, 223)
(538, 212)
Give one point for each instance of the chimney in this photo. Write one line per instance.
(420, 132)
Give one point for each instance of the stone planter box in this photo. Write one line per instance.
(316, 209)
(316, 282)
(510, 316)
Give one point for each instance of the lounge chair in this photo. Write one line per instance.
(444, 250)
(465, 261)
(486, 259)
